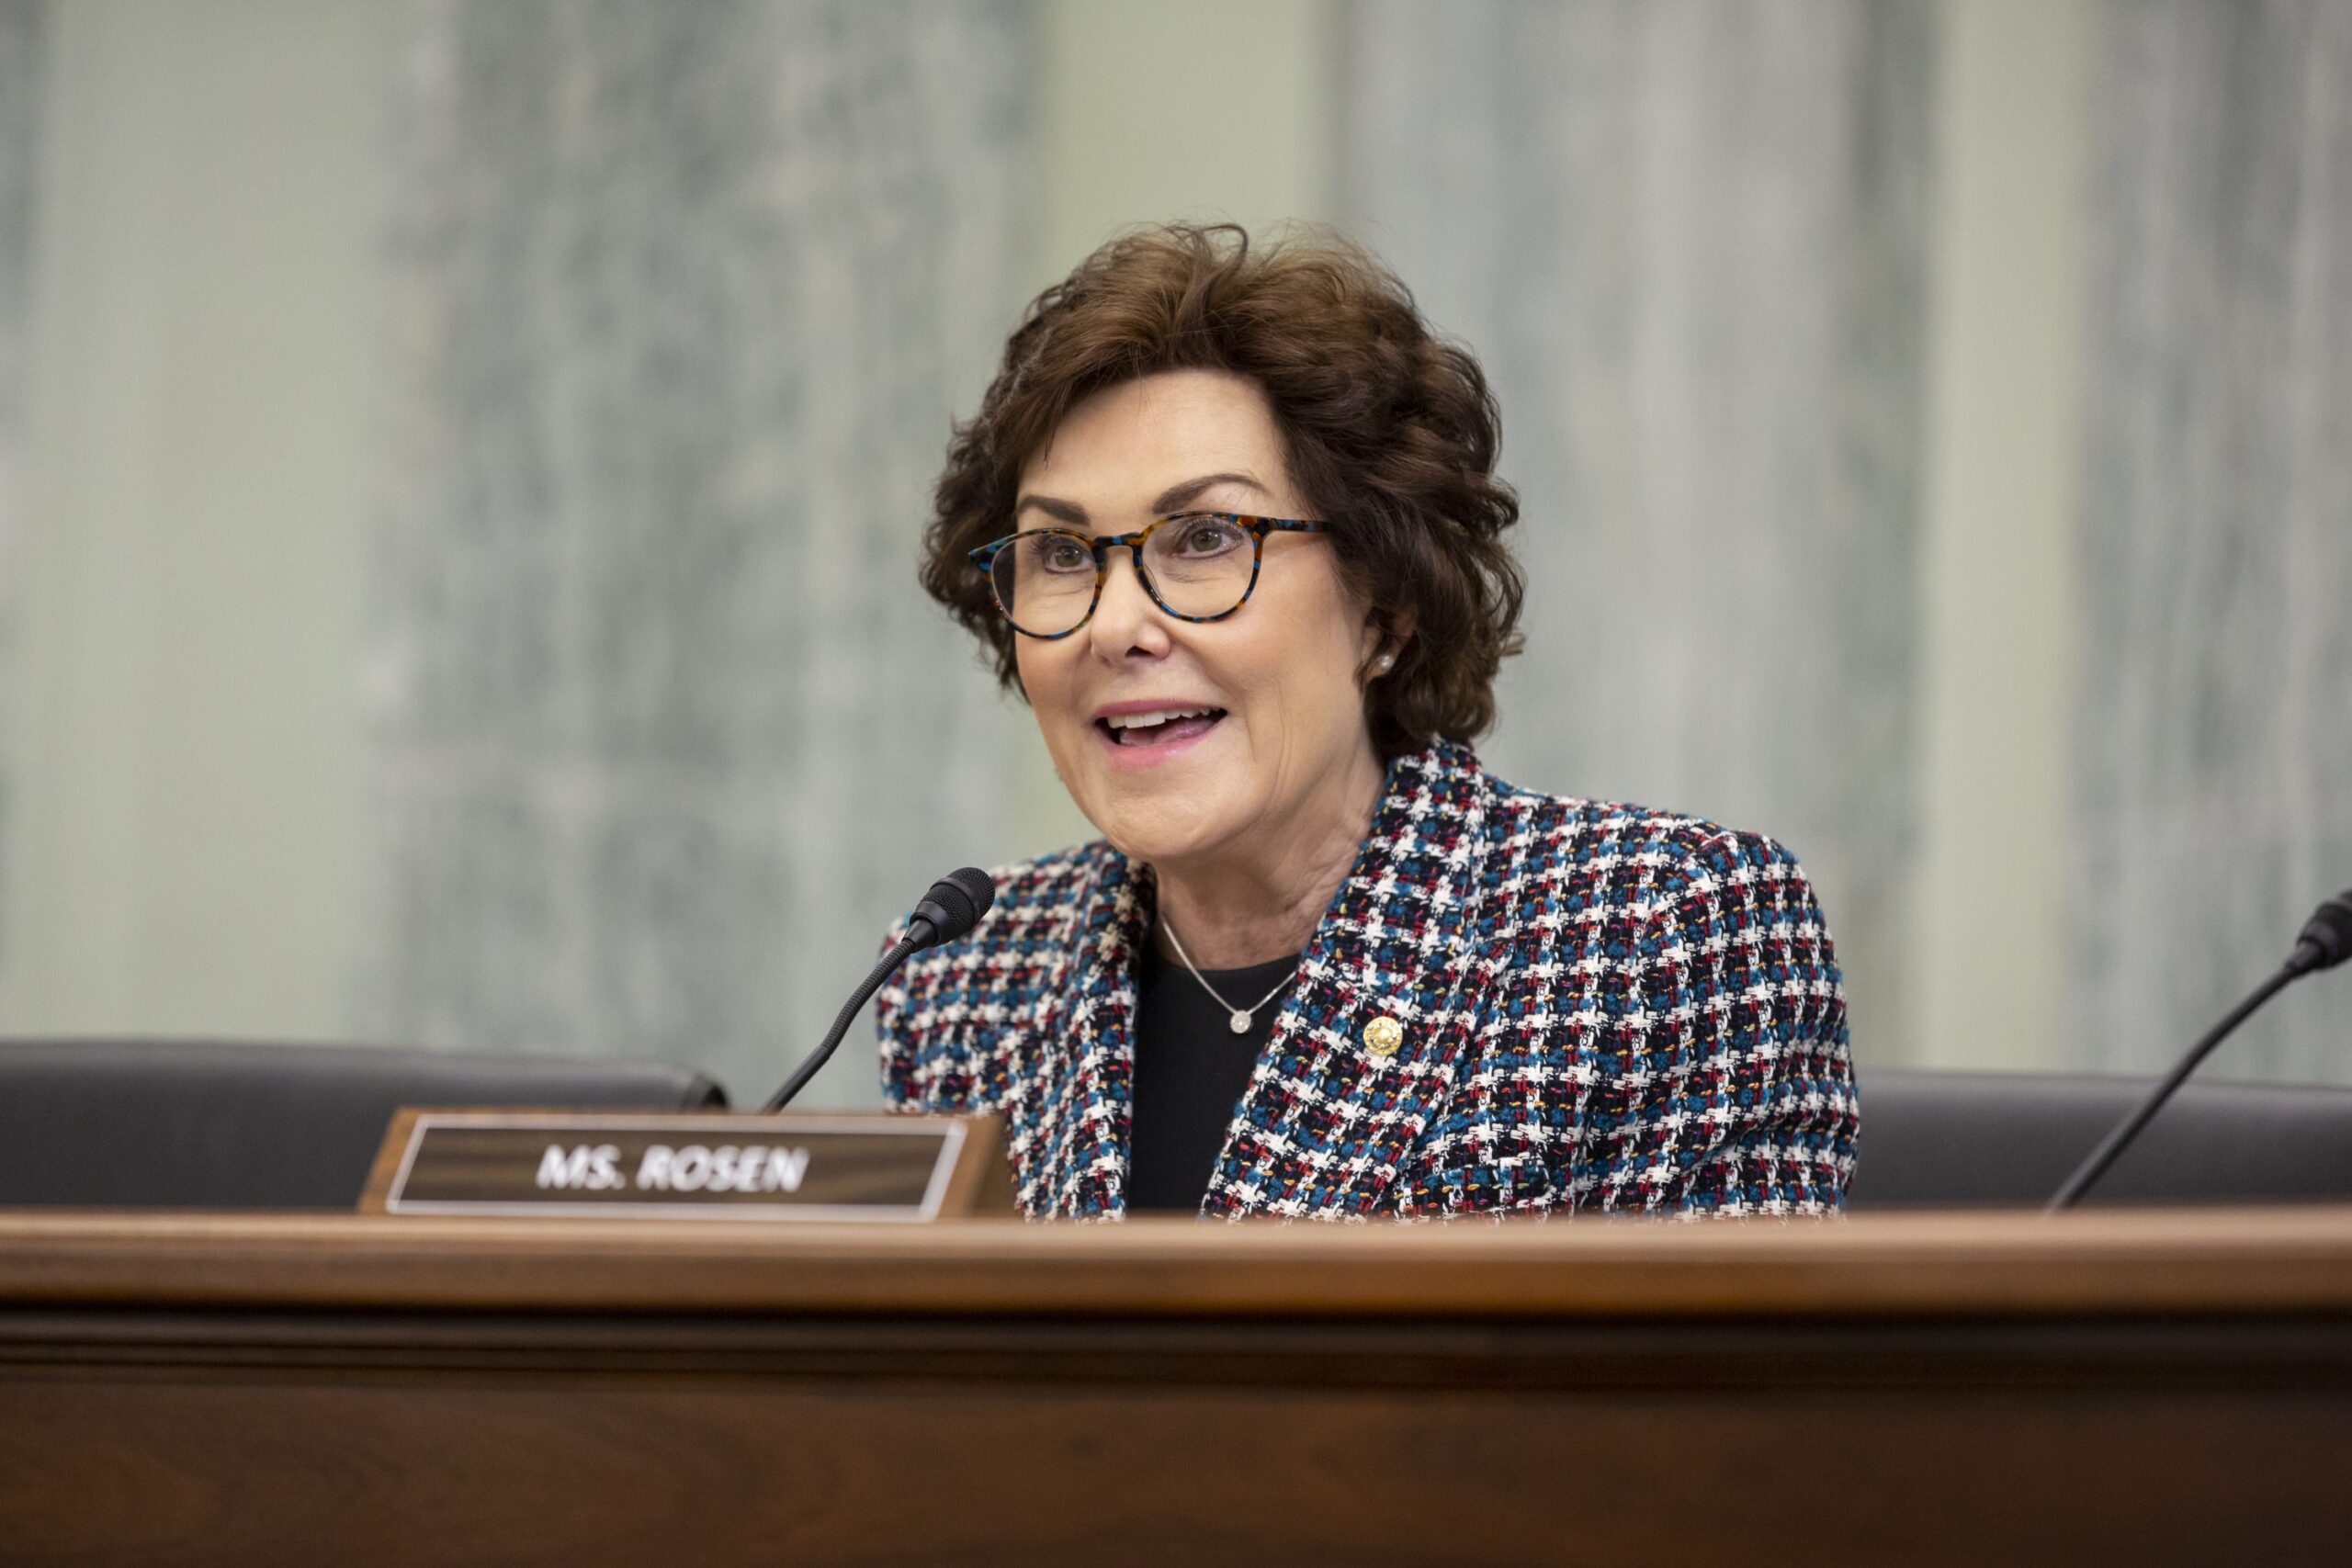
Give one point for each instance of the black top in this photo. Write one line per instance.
(1190, 1069)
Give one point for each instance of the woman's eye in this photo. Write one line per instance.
(1064, 555)
(1209, 539)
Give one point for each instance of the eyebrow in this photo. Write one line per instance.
(1175, 497)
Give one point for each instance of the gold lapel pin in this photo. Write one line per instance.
(1383, 1036)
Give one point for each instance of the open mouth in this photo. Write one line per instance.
(1133, 731)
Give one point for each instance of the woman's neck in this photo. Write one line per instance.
(1263, 903)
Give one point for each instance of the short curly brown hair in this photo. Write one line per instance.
(1390, 431)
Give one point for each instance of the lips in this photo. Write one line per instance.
(1157, 728)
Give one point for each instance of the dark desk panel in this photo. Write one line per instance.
(2162, 1387)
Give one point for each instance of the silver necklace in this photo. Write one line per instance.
(1237, 1019)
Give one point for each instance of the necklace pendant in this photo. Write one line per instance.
(1239, 1022)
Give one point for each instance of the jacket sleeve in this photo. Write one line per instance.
(1728, 1087)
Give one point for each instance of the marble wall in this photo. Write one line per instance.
(1689, 242)
(683, 300)
(21, 35)
(20, 100)
(1692, 243)
(2213, 800)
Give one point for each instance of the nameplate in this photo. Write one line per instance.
(690, 1166)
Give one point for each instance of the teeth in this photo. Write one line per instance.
(1162, 716)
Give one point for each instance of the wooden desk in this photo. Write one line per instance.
(2102, 1387)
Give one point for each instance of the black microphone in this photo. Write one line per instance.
(953, 906)
(2325, 942)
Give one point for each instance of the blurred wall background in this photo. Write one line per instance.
(460, 463)
(1691, 244)
(20, 107)
(683, 297)
(2213, 753)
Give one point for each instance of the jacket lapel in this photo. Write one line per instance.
(1070, 1146)
(1328, 1118)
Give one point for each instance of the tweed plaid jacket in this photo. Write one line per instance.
(1595, 1006)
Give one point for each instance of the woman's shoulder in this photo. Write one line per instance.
(942, 1018)
(1617, 833)
(1619, 852)
(1037, 908)
(1039, 905)
(1055, 876)
(1638, 884)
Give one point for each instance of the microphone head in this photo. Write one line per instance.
(955, 904)
(2328, 934)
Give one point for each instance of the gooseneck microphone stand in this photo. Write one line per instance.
(953, 906)
(2325, 942)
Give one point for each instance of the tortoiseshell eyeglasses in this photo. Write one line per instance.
(1197, 566)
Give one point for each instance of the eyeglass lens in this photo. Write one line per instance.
(1197, 567)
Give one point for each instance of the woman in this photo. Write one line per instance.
(1228, 519)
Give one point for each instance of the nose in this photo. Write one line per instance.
(1127, 622)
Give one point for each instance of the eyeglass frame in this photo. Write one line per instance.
(1102, 545)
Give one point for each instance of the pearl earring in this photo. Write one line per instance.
(1386, 660)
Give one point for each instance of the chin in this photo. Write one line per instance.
(1155, 825)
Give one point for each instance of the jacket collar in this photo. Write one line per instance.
(1326, 1119)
